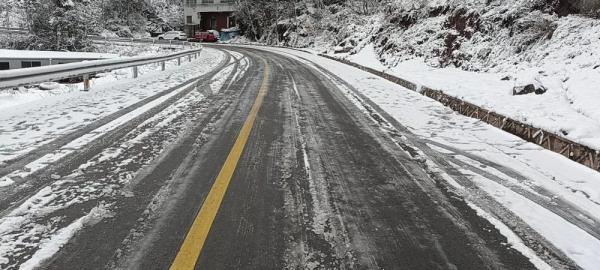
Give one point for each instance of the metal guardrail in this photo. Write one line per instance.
(84, 70)
(11, 30)
(546, 139)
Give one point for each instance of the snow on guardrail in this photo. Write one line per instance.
(19, 77)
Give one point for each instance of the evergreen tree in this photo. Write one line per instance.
(59, 24)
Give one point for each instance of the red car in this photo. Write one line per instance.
(205, 37)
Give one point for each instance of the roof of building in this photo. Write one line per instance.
(22, 54)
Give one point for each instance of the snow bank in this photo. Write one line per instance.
(569, 108)
(12, 98)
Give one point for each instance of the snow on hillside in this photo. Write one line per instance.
(568, 108)
(478, 50)
(123, 18)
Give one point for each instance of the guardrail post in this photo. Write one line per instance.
(86, 82)
(189, 58)
(162, 65)
(135, 72)
(179, 61)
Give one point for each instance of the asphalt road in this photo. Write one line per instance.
(316, 184)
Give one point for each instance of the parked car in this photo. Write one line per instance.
(216, 33)
(205, 37)
(173, 35)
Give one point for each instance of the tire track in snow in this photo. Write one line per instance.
(124, 121)
(59, 204)
(402, 136)
(11, 165)
(142, 198)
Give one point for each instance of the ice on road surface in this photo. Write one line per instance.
(29, 125)
(524, 175)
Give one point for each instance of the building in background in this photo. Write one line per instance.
(15, 59)
(203, 15)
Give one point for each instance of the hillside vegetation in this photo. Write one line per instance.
(470, 34)
(65, 24)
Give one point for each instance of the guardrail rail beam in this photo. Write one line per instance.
(19, 77)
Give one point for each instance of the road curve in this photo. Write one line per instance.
(317, 185)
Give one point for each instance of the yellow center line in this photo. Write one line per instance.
(190, 250)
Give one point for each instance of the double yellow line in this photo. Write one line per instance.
(194, 241)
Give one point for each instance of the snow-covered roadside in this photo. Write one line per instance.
(27, 227)
(35, 230)
(569, 108)
(29, 125)
(15, 97)
(78, 143)
(22, 95)
(137, 48)
(487, 48)
(125, 50)
(529, 181)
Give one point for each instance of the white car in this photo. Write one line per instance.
(173, 35)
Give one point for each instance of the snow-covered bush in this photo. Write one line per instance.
(59, 24)
(12, 14)
(475, 35)
(304, 23)
(64, 24)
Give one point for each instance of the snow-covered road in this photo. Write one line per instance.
(341, 170)
(558, 198)
(26, 126)
(143, 115)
